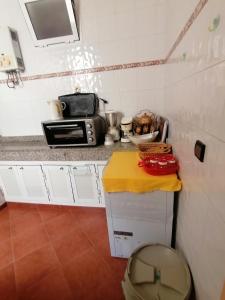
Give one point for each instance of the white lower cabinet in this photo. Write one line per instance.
(23, 183)
(59, 184)
(33, 183)
(78, 183)
(85, 185)
(100, 168)
(10, 183)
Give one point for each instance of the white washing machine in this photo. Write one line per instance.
(135, 219)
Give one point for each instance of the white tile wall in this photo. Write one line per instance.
(112, 32)
(128, 91)
(203, 48)
(177, 14)
(195, 105)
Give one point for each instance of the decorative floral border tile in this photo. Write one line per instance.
(148, 63)
(93, 70)
(187, 26)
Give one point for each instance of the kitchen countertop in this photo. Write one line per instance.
(35, 148)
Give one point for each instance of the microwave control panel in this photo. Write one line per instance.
(10, 53)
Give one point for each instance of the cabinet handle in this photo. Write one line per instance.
(21, 168)
(75, 168)
(61, 168)
(10, 168)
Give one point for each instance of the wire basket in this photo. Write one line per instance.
(153, 148)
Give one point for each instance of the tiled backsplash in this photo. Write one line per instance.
(201, 4)
(109, 34)
(114, 37)
(83, 60)
(195, 106)
(149, 63)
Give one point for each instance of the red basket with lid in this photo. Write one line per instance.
(159, 164)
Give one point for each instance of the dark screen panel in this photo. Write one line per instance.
(49, 18)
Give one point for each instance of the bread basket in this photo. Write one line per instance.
(151, 148)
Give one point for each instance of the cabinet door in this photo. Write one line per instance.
(59, 184)
(33, 183)
(100, 168)
(85, 187)
(9, 180)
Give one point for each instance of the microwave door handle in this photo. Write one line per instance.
(62, 126)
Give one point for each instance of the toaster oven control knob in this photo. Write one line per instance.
(90, 132)
(90, 139)
(89, 126)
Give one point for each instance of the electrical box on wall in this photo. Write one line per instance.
(199, 150)
(50, 21)
(10, 53)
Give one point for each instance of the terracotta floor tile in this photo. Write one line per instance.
(90, 278)
(110, 289)
(75, 236)
(6, 256)
(29, 220)
(60, 226)
(48, 212)
(5, 232)
(4, 215)
(29, 241)
(71, 245)
(53, 287)
(7, 284)
(102, 247)
(18, 210)
(35, 266)
(82, 268)
(87, 214)
(95, 229)
(117, 265)
(89, 210)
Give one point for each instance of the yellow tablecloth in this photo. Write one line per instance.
(122, 174)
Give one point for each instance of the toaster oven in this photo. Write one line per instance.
(74, 132)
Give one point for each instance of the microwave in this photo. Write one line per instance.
(74, 132)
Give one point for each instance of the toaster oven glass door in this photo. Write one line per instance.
(66, 134)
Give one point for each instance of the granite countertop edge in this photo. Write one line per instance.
(35, 148)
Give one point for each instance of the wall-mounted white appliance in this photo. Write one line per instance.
(50, 21)
(11, 59)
